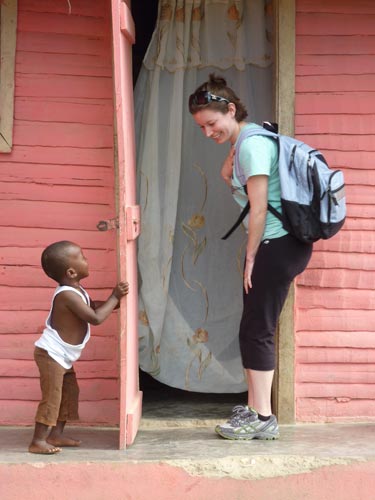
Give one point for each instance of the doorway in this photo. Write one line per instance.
(161, 401)
(144, 29)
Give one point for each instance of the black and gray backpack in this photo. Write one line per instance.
(312, 195)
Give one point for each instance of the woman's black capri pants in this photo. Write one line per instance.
(277, 262)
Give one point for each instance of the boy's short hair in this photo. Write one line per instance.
(55, 259)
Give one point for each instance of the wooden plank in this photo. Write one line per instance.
(356, 210)
(337, 81)
(351, 159)
(335, 24)
(338, 278)
(347, 241)
(63, 86)
(330, 320)
(62, 156)
(22, 237)
(360, 340)
(356, 124)
(324, 378)
(335, 45)
(347, 299)
(359, 195)
(329, 368)
(337, 64)
(320, 375)
(99, 259)
(336, 103)
(38, 298)
(28, 389)
(63, 64)
(343, 6)
(359, 224)
(74, 135)
(39, 191)
(85, 369)
(50, 214)
(65, 110)
(353, 391)
(104, 412)
(27, 299)
(86, 8)
(21, 347)
(46, 22)
(335, 410)
(28, 276)
(335, 355)
(71, 175)
(62, 44)
(338, 260)
(359, 176)
(17, 323)
(340, 142)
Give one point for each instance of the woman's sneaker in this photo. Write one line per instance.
(245, 424)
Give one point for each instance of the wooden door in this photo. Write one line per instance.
(123, 33)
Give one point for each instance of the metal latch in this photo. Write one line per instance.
(106, 225)
(133, 222)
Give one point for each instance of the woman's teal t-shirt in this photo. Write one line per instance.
(258, 155)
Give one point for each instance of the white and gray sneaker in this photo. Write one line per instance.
(244, 424)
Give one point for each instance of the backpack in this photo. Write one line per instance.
(312, 195)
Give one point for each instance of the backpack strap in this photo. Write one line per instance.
(274, 212)
(269, 130)
(245, 134)
(243, 214)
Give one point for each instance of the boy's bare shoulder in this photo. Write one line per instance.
(67, 297)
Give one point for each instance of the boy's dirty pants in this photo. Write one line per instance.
(60, 390)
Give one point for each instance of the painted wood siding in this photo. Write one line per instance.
(57, 183)
(335, 111)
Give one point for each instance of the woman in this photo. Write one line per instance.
(273, 257)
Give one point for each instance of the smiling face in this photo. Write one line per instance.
(218, 126)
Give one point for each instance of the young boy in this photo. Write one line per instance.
(66, 333)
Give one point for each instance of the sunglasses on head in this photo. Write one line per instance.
(204, 97)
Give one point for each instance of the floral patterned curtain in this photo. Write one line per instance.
(190, 280)
(196, 33)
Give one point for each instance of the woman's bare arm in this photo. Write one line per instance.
(257, 192)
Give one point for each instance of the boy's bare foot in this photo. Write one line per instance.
(43, 448)
(63, 441)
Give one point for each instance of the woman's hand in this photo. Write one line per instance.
(247, 275)
(227, 168)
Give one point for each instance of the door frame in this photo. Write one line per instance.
(128, 219)
(283, 395)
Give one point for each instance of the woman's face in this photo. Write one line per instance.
(218, 126)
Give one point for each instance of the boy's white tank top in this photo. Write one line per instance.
(65, 354)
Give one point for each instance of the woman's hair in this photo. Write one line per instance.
(217, 85)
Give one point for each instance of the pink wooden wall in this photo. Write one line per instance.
(335, 111)
(57, 184)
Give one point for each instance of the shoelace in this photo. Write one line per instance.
(241, 413)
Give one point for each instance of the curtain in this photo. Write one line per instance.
(190, 280)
